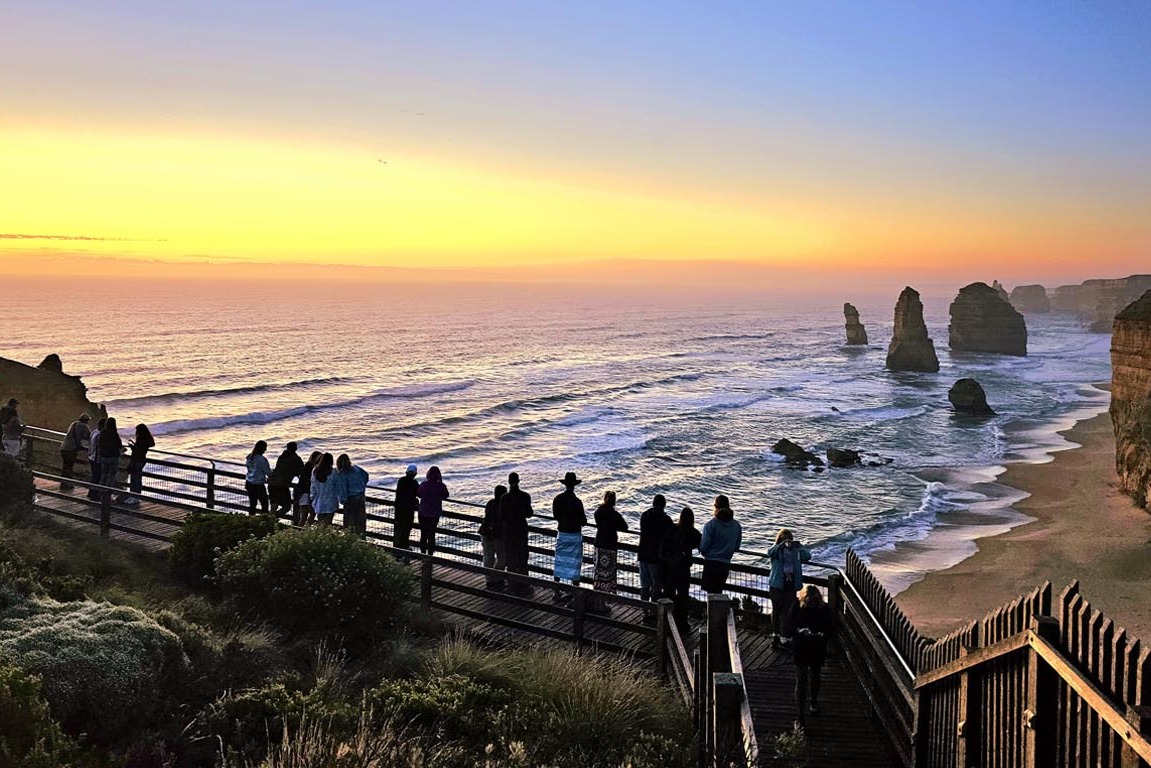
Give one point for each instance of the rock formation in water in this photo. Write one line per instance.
(1097, 302)
(1030, 299)
(967, 396)
(983, 321)
(843, 457)
(48, 398)
(796, 455)
(1131, 398)
(856, 333)
(998, 286)
(911, 349)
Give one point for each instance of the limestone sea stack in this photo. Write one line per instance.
(998, 286)
(48, 397)
(983, 321)
(1030, 299)
(911, 348)
(1131, 398)
(856, 333)
(967, 396)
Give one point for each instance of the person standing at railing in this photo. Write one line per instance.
(432, 494)
(351, 486)
(111, 446)
(654, 525)
(787, 559)
(492, 538)
(568, 511)
(78, 438)
(722, 535)
(325, 497)
(515, 509)
(305, 514)
(94, 457)
(608, 522)
(254, 482)
(11, 428)
(812, 621)
(289, 465)
(139, 459)
(407, 502)
(675, 552)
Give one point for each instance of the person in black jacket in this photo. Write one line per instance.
(288, 467)
(492, 538)
(608, 522)
(111, 446)
(515, 509)
(139, 459)
(568, 511)
(811, 619)
(675, 556)
(654, 526)
(407, 502)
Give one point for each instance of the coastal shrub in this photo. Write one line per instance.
(204, 536)
(105, 669)
(314, 743)
(16, 489)
(319, 580)
(20, 578)
(29, 737)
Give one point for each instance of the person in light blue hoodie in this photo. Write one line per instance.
(787, 559)
(351, 485)
(722, 536)
(325, 495)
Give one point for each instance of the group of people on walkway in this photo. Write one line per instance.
(323, 485)
(104, 449)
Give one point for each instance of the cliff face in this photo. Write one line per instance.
(911, 348)
(48, 398)
(1030, 299)
(1097, 302)
(981, 321)
(1131, 398)
(856, 333)
(998, 286)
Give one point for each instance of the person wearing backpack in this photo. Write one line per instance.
(675, 558)
(787, 559)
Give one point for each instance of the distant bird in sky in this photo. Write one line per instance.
(385, 162)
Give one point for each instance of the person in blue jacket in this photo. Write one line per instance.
(787, 559)
(325, 495)
(721, 537)
(351, 485)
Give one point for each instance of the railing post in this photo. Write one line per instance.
(967, 710)
(726, 721)
(210, 489)
(1039, 717)
(718, 659)
(1139, 716)
(426, 584)
(703, 697)
(579, 610)
(662, 613)
(835, 595)
(105, 513)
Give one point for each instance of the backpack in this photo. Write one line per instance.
(789, 565)
(671, 548)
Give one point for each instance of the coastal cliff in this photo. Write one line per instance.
(1131, 397)
(911, 348)
(1097, 302)
(856, 333)
(983, 321)
(48, 396)
(1030, 299)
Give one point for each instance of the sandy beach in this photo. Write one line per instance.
(1083, 529)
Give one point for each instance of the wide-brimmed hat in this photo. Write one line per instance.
(571, 479)
(84, 417)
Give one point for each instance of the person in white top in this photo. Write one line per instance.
(256, 481)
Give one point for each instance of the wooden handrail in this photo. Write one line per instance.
(974, 658)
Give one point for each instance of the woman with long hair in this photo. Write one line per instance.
(352, 487)
(721, 537)
(676, 556)
(813, 622)
(255, 482)
(787, 559)
(608, 522)
(111, 446)
(325, 495)
(140, 446)
(432, 494)
(304, 514)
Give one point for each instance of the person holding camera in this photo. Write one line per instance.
(787, 559)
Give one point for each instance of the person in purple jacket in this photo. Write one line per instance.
(432, 494)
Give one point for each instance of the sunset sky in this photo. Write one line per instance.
(919, 137)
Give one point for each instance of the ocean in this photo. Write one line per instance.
(640, 394)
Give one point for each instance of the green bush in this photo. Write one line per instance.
(106, 670)
(16, 489)
(20, 578)
(29, 737)
(318, 580)
(204, 536)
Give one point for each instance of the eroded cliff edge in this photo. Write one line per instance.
(48, 396)
(1131, 397)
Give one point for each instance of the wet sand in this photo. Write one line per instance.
(1083, 528)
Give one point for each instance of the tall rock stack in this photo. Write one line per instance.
(1131, 398)
(911, 348)
(856, 333)
(1030, 299)
(48, 397)
(998, 286)
(982, 321)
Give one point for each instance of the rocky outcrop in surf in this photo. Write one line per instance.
(1131, 398)
(48, 396)
(856, 333)
(843, 457)
(967, 397)
(1096, 302)
(983, 321)
(911, 349)
(1030, 299)
(796, 455)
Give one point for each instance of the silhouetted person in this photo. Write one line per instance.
(722, 535)
(608, 522)
(256, 477)
(141, 444)
(787, 559)
(352, 488)
(407, 502)
(654, 526)
(813, 624)
(111, 446)
(325, 495)
(289, 466)
(11, 428)
(305, 513)
(568, 511)
(515, 509)
(432, 494)
(675, 555)
(94, 457)
(76, 440)
(492, 538)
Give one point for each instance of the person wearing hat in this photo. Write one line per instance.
(11, 428)
(515, 509)
(77, 438)
(568, 511)
(407, 502)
